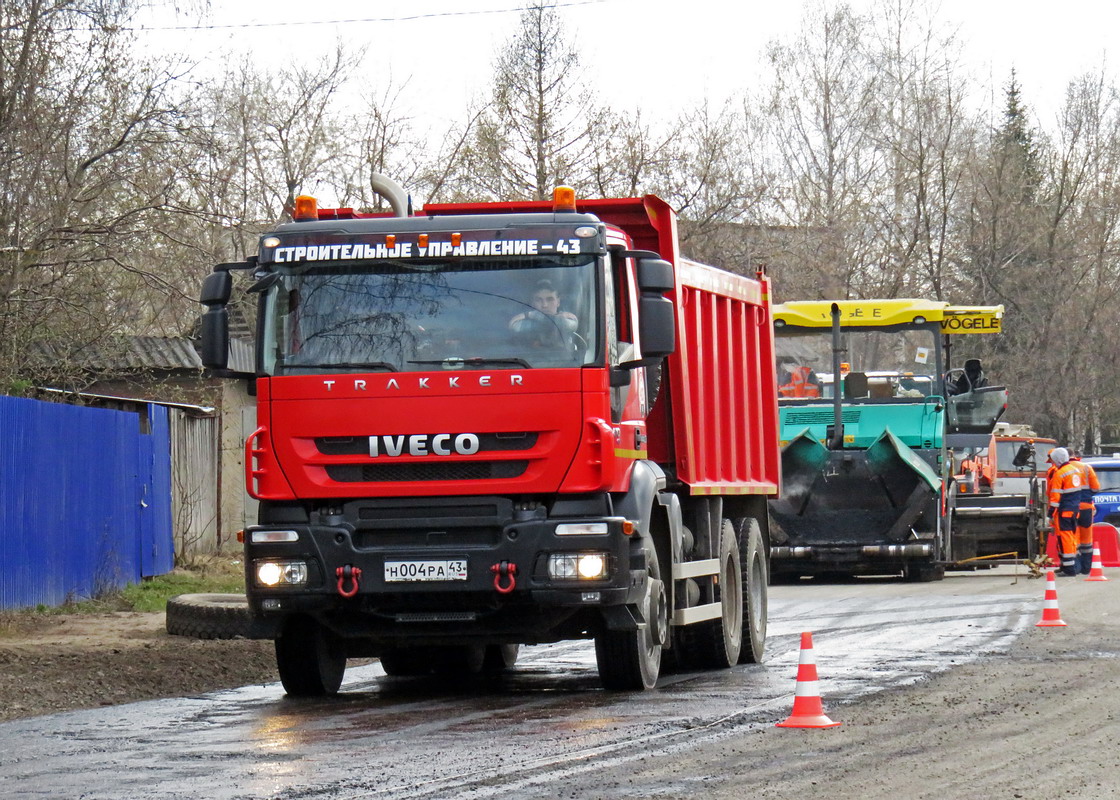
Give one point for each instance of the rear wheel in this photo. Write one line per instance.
(461, 659)
(402, 662)
(310, 658)
(752, 557)
(499, 658)
(631, 660)
(715, 643)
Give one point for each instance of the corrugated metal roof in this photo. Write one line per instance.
(150, 353)
(188, 407)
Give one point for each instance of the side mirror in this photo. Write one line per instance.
(1024, 456)
(656, 327)
(216, 289)
(655, 275)
(214, 347)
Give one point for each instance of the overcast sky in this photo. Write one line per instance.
(656, 54)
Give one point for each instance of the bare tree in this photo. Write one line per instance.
(84, 134)
(537, 131)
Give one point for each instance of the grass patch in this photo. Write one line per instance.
(220, 574)
(224, 576)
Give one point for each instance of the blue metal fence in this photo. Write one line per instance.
(85, 500)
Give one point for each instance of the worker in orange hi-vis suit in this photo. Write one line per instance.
(796, 381)
(1066, 483)
(1089, 484)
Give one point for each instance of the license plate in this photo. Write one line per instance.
(450, 570)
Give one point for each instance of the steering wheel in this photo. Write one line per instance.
(953, 375)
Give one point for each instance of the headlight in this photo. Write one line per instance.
(578, 566)
(281, 573)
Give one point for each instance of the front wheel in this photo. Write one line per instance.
(631, 660)
(310, 658)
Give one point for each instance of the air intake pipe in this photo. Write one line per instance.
(391, 191)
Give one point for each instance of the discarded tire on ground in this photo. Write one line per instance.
(214, 616)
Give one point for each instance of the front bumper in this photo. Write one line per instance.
(347, 581)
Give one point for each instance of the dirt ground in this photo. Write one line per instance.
(1041, 721)
(65, 662)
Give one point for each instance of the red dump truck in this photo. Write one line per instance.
(492, 424)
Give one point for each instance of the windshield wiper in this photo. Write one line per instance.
(478, 361)
(382, 366)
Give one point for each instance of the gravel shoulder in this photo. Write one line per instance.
(51, 663)
(1040, 721)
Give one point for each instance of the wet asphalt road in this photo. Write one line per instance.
(547, 724)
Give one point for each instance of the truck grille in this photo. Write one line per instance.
(434, 471)
(487, 443)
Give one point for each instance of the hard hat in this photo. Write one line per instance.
(1059, 456)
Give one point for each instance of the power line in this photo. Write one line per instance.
(412, 18)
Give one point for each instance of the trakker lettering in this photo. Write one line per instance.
(423, 444)
(450, 382)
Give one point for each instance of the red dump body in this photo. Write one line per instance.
(718, 432)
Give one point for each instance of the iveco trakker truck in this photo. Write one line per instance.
(487, 425)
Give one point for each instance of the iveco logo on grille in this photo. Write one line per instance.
(424, 444)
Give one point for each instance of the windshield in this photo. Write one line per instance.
(1108, 477)
(1005, 456)
(420, 315)
(890, 363)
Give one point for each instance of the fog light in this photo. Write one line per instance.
(577, 566)
(281, 573)
(561, 566)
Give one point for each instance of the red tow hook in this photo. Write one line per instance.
(504, 569)
(348, 573)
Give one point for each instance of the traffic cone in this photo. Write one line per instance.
(1096, 572)
(1050, 616)
(807, 709)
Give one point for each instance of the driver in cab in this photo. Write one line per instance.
(544, 325)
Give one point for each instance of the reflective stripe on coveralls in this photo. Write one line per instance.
(799, 384)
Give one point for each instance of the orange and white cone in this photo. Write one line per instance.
(1050, 616)
(1096, 572)
(808, 712)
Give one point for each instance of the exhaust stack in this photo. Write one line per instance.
(837, 440)
(391, 191)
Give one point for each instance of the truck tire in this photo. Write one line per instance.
(631, 660)
(752, 559)
(499, 658)
(310, 658)
(715, 643)
(212, 616)
(406, 662)
(459, 659)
